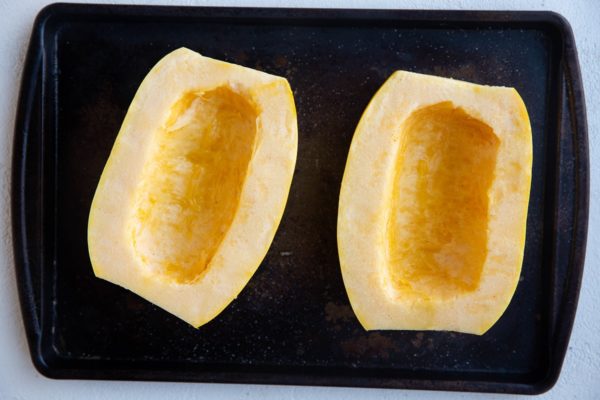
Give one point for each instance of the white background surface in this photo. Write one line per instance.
(580, 378)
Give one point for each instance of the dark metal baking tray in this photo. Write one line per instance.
(292, 324)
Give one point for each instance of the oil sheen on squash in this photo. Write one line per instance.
(191, 185)
(437, 230)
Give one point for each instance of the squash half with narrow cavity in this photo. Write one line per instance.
(196, 184)
(433, 205)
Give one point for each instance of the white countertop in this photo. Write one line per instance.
(580, 378)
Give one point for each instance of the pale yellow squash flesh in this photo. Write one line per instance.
(195, 185)
(433, 205)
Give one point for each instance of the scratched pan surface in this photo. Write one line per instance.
(292, 324)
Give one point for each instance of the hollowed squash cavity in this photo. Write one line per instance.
(188, 196)
(433, 205)
(437, 233)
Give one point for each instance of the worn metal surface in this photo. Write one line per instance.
(292, 323)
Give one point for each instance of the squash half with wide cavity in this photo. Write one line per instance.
(433, 205)
(195, 185)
